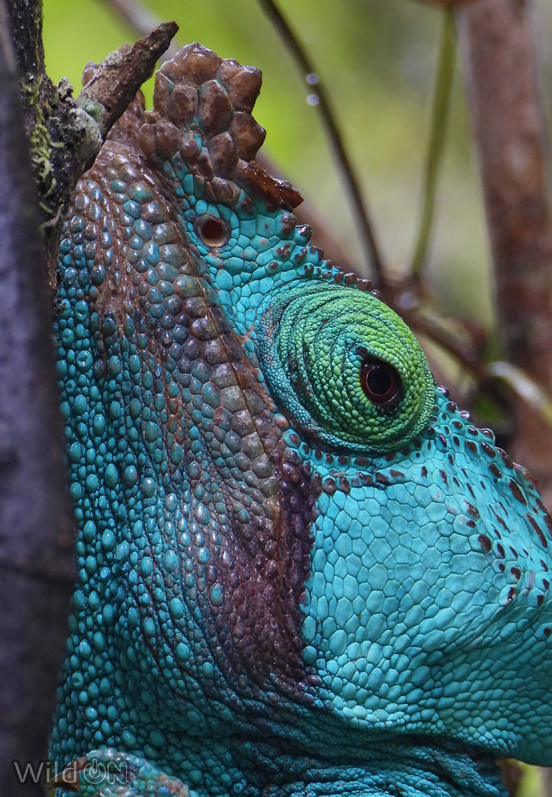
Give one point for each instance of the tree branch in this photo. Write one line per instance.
(500, 72)
(36, 559)
(66, 135)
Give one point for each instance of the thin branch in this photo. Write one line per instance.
(440, 114)
(320, 97)
(524, 388)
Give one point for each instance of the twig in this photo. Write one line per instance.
(440, 114)
(118, 78)
(318, 93)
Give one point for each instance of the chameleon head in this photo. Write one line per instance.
(428, 607)
(284, 524)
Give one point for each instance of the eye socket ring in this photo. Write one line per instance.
(380, 382)
(212, 231)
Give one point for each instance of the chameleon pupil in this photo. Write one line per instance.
(380, 381)
(212, 231)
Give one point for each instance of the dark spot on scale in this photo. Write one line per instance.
(316, 482)
(543, 565)
(548, 522)
(516, 492)
(451, 459)
(502, 523)
(443, 476)
(546, 583)
(390, 456)
(505, 458)
(341, 460)
(472, 430)
(470, 445)
(361, 462)
(482, 485)
(355, 482)
(547, 631)
(540, 600)
(487, 449)
(516, 572)
(397, 474)
(494, 470)
(470, 524)
(511, 595)
(538, 531)
(456, 482)
(344, 484)
(456, 440)
(451, 406)
(457, 424)
(443, 440)
(424, 472)
(366, 479)
(382, 478)
(500, 551)
(444, 390)
(513, 550)
(329, 459)
(485, 542)
(504, 509)
(328, 485)
(294, 439)
(501, 567)
(470, 488)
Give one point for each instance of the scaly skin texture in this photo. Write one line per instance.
(301, 569)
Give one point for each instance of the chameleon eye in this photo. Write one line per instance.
(380, 382)
(212, 231)
(345, 367)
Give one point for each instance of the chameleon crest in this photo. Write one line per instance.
(301, 569)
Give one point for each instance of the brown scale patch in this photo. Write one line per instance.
(500, 520)
(268, 497)
(516, 492)
(485, 542)
(538, 531)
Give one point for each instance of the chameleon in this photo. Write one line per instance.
(302, 570)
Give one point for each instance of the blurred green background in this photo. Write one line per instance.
(378, 60)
